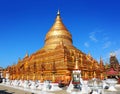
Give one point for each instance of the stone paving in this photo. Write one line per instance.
(10, 90)
(4, 89)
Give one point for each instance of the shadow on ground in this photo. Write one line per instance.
(5, 92)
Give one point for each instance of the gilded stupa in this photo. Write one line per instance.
(57, 34)
(56, 60)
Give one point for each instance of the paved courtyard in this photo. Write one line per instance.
(5, 89)
(10, 90)
(16, 90)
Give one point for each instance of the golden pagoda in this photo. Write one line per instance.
(56, 60)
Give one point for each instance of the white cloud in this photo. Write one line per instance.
(86, 44)
(107, 44)
(93, 36)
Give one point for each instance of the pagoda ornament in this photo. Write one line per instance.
(53, 72)
(76, 74)
(42, 71)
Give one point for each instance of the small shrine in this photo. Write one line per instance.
(113, 70)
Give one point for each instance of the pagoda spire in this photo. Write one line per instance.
(89, 54)
(26, 55)
(58, 18)
(101, 62)
(58, 12)
(76, 64)
(19, 59)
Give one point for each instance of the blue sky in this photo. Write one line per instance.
(94, 25)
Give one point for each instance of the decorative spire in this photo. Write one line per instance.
(76, 64)
(101, 62)
(89, 54)
(58, 13)
(19, 59)
(58, 18)
(27, 55)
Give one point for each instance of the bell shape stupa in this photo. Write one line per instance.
(57, 34)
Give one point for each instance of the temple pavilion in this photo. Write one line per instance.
(56, 60)
(113, 70)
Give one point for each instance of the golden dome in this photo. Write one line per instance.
(57, 34)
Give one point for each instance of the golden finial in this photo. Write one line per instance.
(58, 16)
(89, 54)
(19, 59)
(26, 54)
(101, 61)
(76, 64)
(58, 13)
